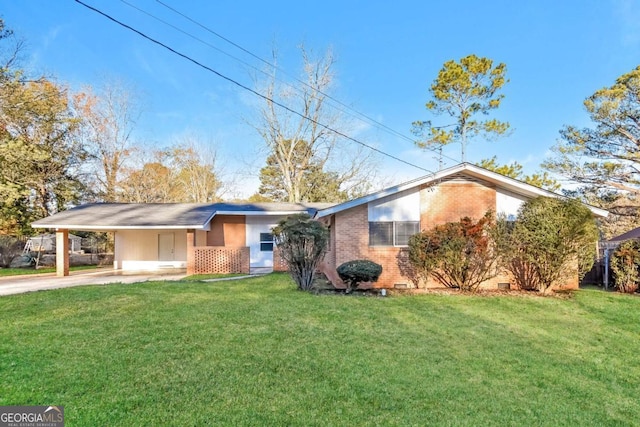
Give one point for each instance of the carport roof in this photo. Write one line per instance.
(119, 216)
(113, 216)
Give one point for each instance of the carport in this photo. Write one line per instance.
(147, 236)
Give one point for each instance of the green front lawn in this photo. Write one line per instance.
(22, 271)
(258, 352)
(203, 277)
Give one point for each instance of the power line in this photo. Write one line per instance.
(271, 65)
(352, 111)
(189, 34)
(229, 79)
(376, 123)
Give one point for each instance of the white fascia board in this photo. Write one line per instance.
(121, 227)
(259, 213)
(511, 184)
(388, 191)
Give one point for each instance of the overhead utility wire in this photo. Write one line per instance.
(275, 67)
(189, 35)
(271, 65)
(199, 64)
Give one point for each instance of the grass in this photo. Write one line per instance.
(258, 352)
(23, 271)
(203, 277)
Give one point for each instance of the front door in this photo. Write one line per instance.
(260, 240)
(166, 247)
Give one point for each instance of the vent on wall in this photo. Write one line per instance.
(459, 177)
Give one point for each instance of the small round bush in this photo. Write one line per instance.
(361, 270)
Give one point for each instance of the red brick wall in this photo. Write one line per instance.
(279, 264)
(450, 201)
(227, 230)
(352, 242)
(444, 202)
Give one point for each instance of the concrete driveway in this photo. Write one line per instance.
(39, 282)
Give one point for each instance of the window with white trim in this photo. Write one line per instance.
(266, 242)
(392, 233)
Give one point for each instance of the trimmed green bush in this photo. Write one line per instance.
(302, 242)
(546, 241)
(360, 270)
(625, 266)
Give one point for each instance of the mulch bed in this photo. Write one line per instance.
(329, 290)
(324, 287)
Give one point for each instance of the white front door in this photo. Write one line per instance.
(166, 247)
(260, 240)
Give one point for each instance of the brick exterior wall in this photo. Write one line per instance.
(224, 249)
(452, 200)
(279, 263)
(446, 201)
(227, 230)
(352, 242)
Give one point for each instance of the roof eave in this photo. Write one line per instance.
(90, 227)
(263, 213)
(507, 182)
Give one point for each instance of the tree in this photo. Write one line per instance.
(316, 185)
(10, 50)
(107, 122)
(463, 90)
(303, 146)
(195, 175)
(623, 208)
(543, 244)
(302, 243)
(605, 158)
(457, 254)
(149, 184)
(40, 156)
(514, 170)
(184, 173)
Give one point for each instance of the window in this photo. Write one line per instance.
(380, 233)
(266, 242)
(392, 233)
(404, 230)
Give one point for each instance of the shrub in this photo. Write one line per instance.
(546, 240)
(625, 266)
(357, 271)
(10, 247)
(302, 242)
(457, 254)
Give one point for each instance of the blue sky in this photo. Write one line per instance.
(557, 53)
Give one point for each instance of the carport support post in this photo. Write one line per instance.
(62, 252)
(191, 255)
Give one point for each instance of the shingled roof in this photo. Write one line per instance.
(118, 216)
